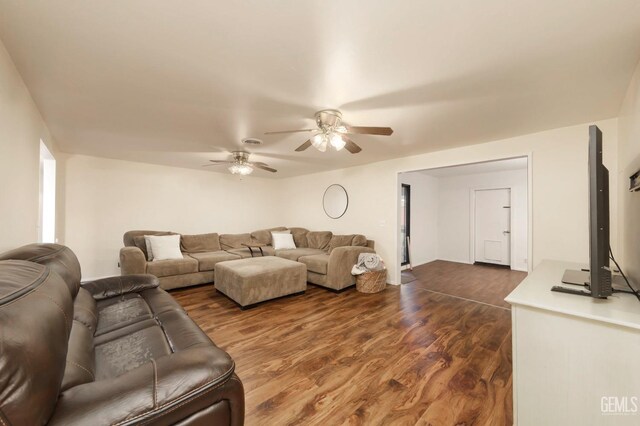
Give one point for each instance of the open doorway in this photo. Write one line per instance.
(470, 233)
(47, 222)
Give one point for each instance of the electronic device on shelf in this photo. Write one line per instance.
(597, 279)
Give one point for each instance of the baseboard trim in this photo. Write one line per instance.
(466, 262)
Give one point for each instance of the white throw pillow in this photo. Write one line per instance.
(282, 241)
(165, 247)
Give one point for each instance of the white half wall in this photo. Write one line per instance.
(105, 198)
(424, 217)
(455, 213)
(21, 129)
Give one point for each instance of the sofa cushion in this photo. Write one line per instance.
(316, 263)
(359, 240)
(340, 241)
(200, 243)
(295, 254)
(207, 261)
(164, 268)
(232, 241)
(116, 313)
(245, 253)
(125, 353)
(263, 236)
(319, 239)
(80, 367)
(300, 237)
(85, 310)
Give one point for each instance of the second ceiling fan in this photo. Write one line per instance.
(331, 131)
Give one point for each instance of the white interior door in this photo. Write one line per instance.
(493, 226)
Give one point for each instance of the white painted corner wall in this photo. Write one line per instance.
(21, 129)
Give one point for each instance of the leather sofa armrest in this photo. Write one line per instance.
(341, 261)
(115, 286)
(132, 261)
(162, 391)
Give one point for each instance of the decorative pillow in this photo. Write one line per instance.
(200, 243)
(319, 240)
(139, 241)
(263, 236)
(300, 236)
(165, 247)
(282, 241)
(359, 240)
(234, 241)
(340, 241)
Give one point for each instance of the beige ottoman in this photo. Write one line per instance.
(256, 279)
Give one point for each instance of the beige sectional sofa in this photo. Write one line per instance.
(328, 258)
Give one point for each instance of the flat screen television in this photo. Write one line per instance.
(597, 279)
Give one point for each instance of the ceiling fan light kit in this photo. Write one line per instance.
(240, 169)
(240, 165)
(321, 140)
(332, 131)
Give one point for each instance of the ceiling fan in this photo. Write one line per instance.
(240, 165)
(331, 131)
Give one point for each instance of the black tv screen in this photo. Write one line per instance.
(600, 273)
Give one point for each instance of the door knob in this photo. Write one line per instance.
(506, 232)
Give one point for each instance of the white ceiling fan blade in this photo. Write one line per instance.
(290, 131)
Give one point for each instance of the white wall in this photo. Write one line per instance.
(105, 198)
(424, 217)
(21, 128)
(628, 164)
(559, 192)
(456, 209)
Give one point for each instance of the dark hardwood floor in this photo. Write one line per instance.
(407, 355)
(481, 283)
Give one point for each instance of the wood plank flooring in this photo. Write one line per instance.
(405, 356)
(481, 283)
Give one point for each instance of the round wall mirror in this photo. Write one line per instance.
(335, 201)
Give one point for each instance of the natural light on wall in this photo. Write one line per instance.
(47, 225)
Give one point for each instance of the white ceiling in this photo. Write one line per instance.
(178, 83)
(478, 168)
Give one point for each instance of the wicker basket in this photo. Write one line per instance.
(371, 282)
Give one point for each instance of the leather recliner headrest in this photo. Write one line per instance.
(36, 311)
(59, 258)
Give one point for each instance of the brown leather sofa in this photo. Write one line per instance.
(328, 257)
(117, 350)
